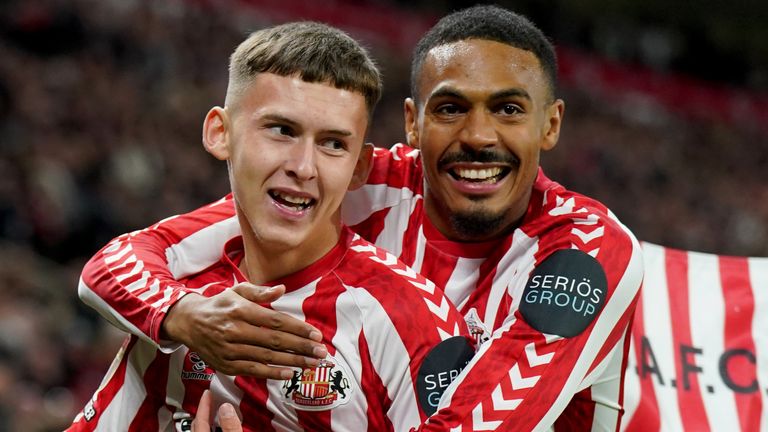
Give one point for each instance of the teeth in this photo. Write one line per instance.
(478, 174)
(293, 199)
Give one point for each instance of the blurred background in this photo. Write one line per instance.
(102, 101)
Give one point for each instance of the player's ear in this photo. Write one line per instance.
(554, 119)
(216, 136)
(363, 167)
(411, 122)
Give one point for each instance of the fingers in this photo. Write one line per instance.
(201, 422)
(228, 419)
(255, 369)
(259, 294)
(274, 342)
(272, 319)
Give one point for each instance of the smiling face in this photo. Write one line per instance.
(484, 114)
(293, 150)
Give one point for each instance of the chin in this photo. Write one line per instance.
(477, 225)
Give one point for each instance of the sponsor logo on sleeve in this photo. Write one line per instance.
(440, 367)
(320, 388)
(195, 368)
(89, 412)
(564, 294)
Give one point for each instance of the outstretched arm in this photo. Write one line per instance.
(132, 283)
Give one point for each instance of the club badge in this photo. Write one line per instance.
(321, 388)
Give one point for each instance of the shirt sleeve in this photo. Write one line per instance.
(527, 374)
(132, 280)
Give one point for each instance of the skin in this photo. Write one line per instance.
(480, 97)
(284, 140)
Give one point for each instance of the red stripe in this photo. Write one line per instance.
(646, 415)
(437, 266)
(320, 311)
(411, 235)
(371, 228)
(154, 379)
(375, 393)
(579, 414)
(689, 400)
(739, 313)
(253, 407)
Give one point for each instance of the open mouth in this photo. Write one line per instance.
(489, 175)
(297, 203)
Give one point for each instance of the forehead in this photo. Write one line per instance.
(316, 104)
(483, 67)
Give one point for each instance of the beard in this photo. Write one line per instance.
(477, 225)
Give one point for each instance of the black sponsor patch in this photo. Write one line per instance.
(440, 367)
(564, 294)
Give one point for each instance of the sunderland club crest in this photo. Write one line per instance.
(314, 389)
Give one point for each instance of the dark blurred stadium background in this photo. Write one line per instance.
(101, 105)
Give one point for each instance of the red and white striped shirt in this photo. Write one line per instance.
(379, 320)
(553, 299)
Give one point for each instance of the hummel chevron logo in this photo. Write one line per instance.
(534, 359)
(436, 302)
(441, 310)
(479, 424)
(588, 237)
(502, 404)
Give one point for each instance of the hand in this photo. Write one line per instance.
(228, 420)
(237, 336)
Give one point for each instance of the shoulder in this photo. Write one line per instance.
(561, 218)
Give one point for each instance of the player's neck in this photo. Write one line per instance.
(268, 262)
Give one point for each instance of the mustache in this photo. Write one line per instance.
(483, 156)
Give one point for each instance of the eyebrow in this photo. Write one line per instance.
(501, 94)
(290, 122)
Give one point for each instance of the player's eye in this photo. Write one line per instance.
(448, 109)
(279, 129)
(333, 144)
(508, 109)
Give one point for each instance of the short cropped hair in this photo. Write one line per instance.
(315, 52)
(487, 23)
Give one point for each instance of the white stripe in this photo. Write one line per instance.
(174, 388)
(89, 297)
(632, 389)
(138, 267)
(139, 284)
(463, 280)
(154, 288)
(223, 389)
(605, 390)
(658, 328)
(391, 237)
(387, 352)
(285, 417)
(201, 249)
(132, 393)
(516, 264)
(361, 203)
(758, 276)
(707, 315)
(348, 326)
(109, 259)
(418, 258)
